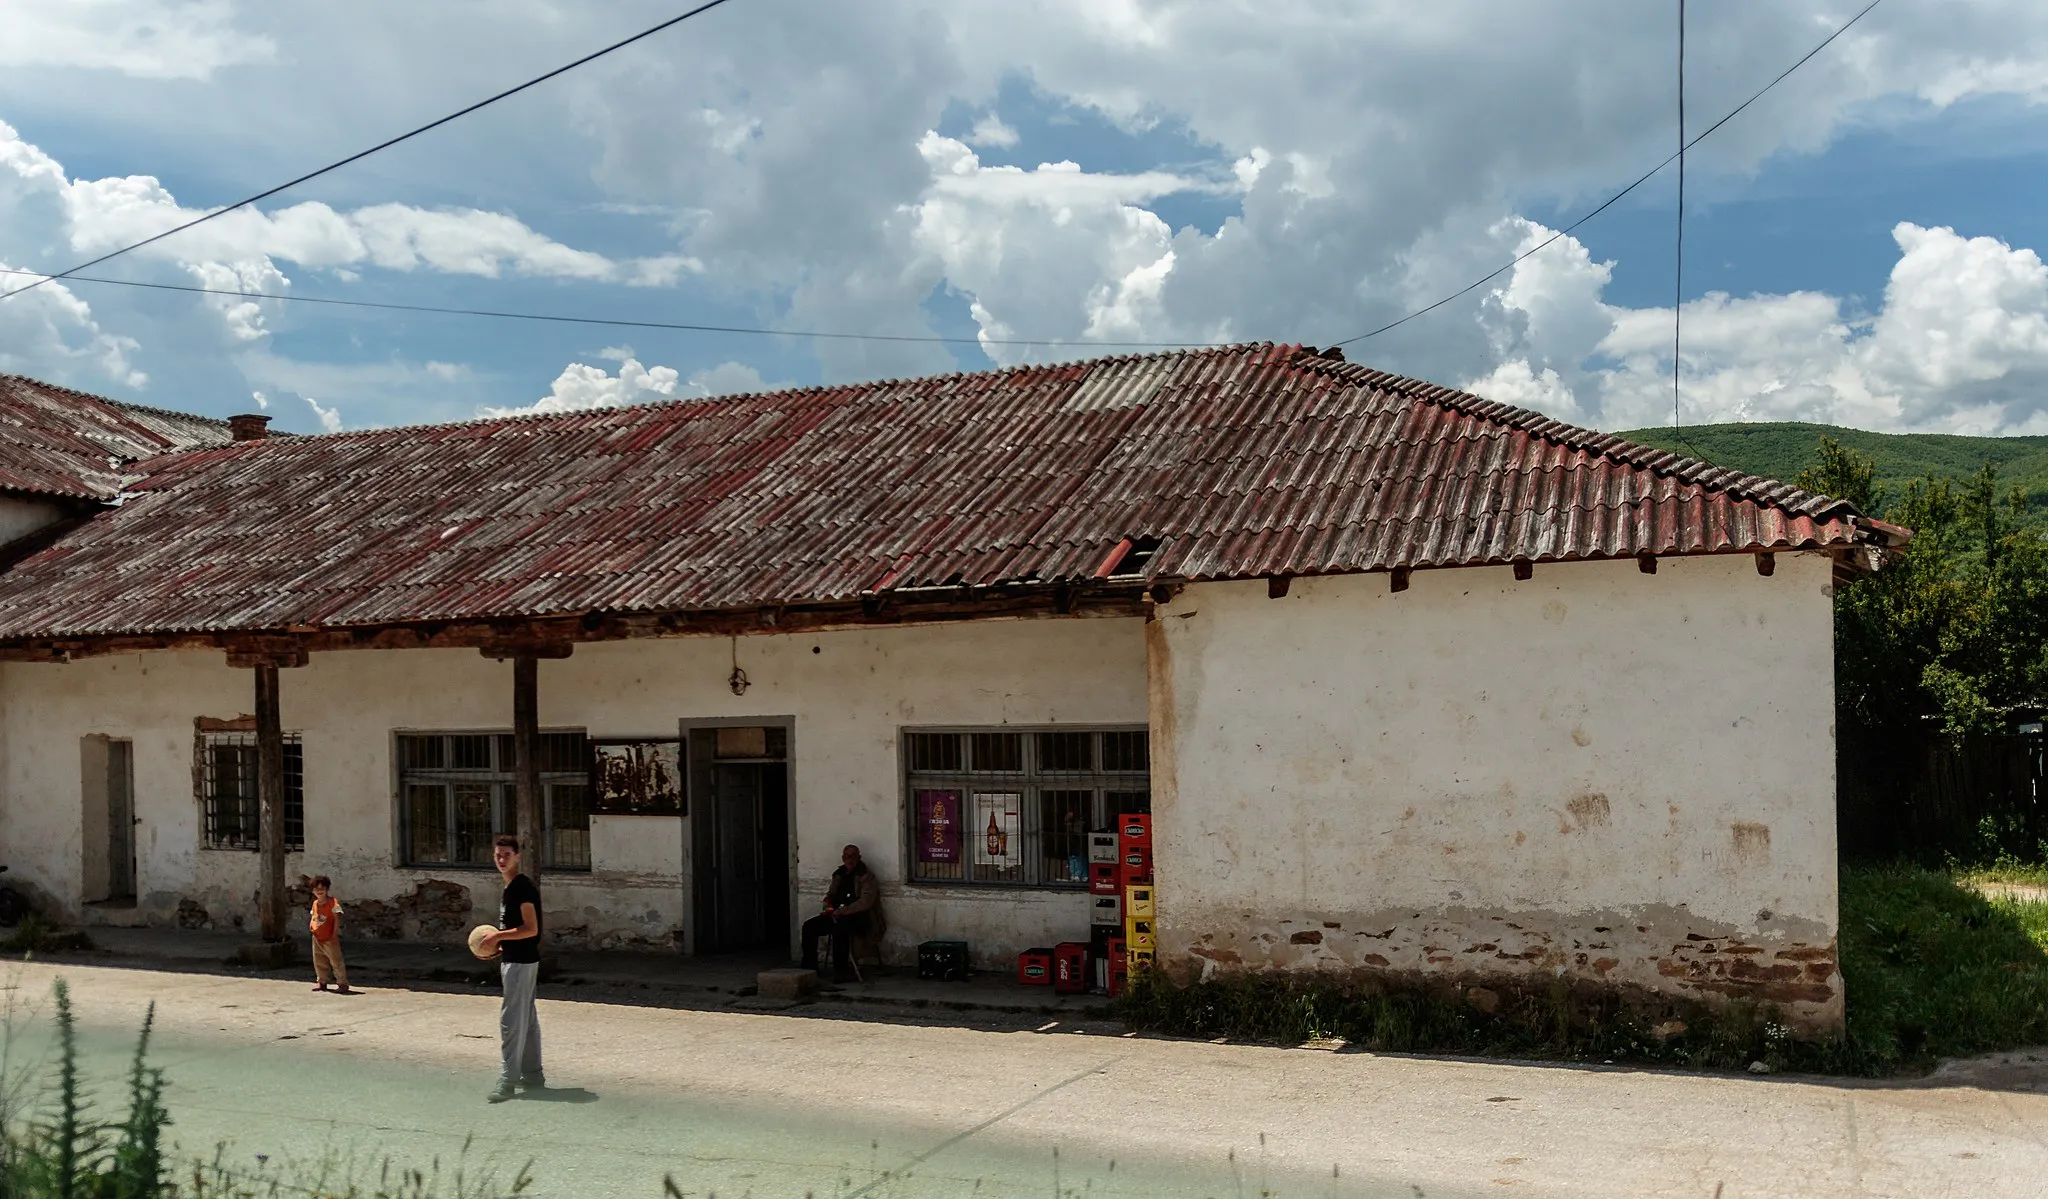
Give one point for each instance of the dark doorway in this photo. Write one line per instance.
(740, 834)
(120, 822)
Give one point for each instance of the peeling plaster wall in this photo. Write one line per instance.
(847, 692)
(1622, 779)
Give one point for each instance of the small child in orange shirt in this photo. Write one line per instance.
(326, 925)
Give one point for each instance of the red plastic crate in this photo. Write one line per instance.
(1136, 865)
(1070, 967)
(1034, 967)
(1119, 967)
(1102, 878)
(1135, 828)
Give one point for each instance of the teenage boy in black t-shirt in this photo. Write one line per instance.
(518, 943)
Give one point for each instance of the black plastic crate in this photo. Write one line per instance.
(942, 960)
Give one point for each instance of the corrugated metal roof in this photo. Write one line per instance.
(1240, 462)
(60, 442)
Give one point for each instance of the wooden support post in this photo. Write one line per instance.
(526, 759)
(270, 801)
(266, 655)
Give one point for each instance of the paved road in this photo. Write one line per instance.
(781, 1104)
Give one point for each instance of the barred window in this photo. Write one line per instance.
(1014, 807)
(457, 792)
(228, 796)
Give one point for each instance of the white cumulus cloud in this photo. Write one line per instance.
(146, 38)
(1960, 344)
(329, 417)
(51, 332)
(582, 386)
(991, 131)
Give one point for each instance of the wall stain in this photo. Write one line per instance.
(1590, 811)
(1752, 842)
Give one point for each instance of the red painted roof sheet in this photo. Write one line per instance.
(1242, 461)
(59, 442)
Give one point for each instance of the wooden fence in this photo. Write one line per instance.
(1930, 800)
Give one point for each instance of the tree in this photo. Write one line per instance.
(1846, 475)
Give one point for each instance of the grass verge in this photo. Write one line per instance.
(35, 935)
(1932, 969)
(55, 1145)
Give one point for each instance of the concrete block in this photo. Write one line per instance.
(788, 982)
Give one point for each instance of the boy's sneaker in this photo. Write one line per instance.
(319, 986)
(343, 989)
(499, 1093)
(538, 1082)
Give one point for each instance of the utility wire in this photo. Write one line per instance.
(623, 324)
(383, 145)
(1609, 202)
(1686, 144)
(1678, 264)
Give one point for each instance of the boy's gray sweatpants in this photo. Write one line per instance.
(518, 1027)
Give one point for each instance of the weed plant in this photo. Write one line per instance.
(1931, 969)
(64, 1149)
(36, 935)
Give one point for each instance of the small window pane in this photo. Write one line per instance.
(469, 751)
(742, 743)
(1123, 803)
(420, 753)
(937, 835)
(562, 753)
(569, 839)
(1127, 751)
(778, 742)
(935, 751)
(995, 837)
(998, 751)
(475, 823)
(426, 820)
(1063, 835)
(1066, 751)
(294, 795)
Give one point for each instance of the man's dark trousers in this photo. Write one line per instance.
(842, 931)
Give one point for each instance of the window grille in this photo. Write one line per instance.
(232, 809)
(1014, 807)
(458, 791)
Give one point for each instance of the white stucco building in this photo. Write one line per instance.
(1413, 684)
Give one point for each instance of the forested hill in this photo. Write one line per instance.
(1780, 450)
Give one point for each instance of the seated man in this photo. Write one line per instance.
(851, 905)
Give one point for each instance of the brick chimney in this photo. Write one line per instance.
(248, 427)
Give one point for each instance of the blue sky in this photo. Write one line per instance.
(1860, 244)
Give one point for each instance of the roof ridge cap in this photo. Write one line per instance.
(130, 405)
(799, 389)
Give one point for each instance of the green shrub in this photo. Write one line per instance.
(36, 935)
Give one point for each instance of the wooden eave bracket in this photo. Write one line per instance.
(507, 650)
(249, 650)
(283, 659)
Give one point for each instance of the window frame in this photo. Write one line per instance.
(501, 780)
(209, 795)
(1030, 784)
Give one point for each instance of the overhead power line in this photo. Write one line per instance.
(677, 326)
(383, 145)
(1678, 250)
(1609, 202)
